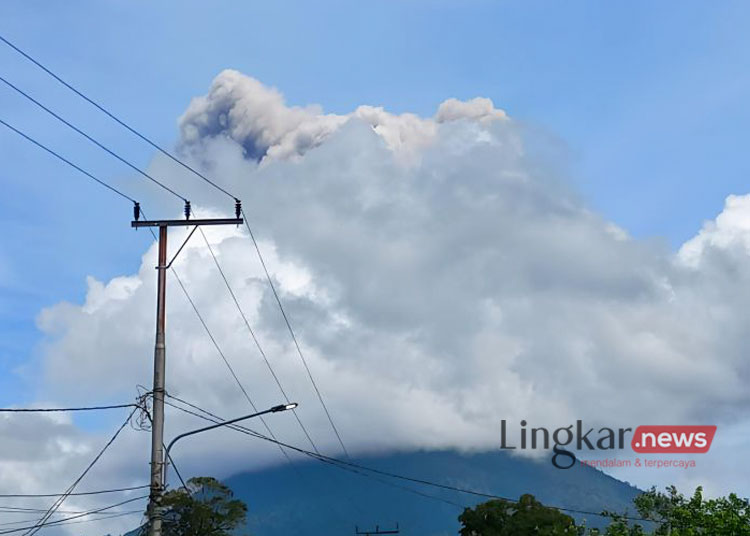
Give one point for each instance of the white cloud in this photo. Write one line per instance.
(729, 232)
(478, 109)
(433, 295)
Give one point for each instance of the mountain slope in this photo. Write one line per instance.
(313, 498)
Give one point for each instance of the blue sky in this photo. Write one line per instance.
(645, 101)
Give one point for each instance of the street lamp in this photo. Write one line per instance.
(275, 409)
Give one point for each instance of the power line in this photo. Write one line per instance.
(278, 443)
(136, 168)
(92, 140)
(116, 119)
(33, 530)
(247, 431)
(71, 164)
(214, 184)
(221, 353)
(77, 516)
(283, 312)
(53, 410)
(207, 180)
(103, 517)
(216, 419)
(255, 339)
(22, 510)
(75, 494)
(218, 349)
(174, 466)
(213, 418)
(226, 361)
(294, 337)
(348, 463)
(257, 344)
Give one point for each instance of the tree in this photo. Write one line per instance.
(525, 517)
(204, 508)
(619, 526)
(677, 515)
(673, 514)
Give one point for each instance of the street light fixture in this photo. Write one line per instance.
(275, 409)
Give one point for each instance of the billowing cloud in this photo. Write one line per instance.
(433, 295)
(256, 117)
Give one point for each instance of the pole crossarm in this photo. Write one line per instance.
(185, 223)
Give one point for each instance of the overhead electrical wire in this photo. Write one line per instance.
(148, 176)
(197, 313)
(23, 510)
(255, 244)
(74, 494)
(257, 344)
(293, 335)
(256, 341)
(51, 510)
(215, 419)
(99, 518)
(220, 352)
(251, 432)
(111, 152)
(63, 521)
(226, 361)
(174, 466)
(115, 118)
(231, 369)
(56, 505)
(214, 184)
(209, 181)
(208, 416)
(93, 140)
(55, 410)
(71, 164)
(218, 348)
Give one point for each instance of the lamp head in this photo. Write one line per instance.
(284, 407)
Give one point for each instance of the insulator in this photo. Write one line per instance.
(237, 208)
(187, 210)
(137, 211)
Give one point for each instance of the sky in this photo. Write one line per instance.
(631, 112)
(642, 102)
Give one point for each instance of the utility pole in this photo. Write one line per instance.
(157, 426)
(376, 531)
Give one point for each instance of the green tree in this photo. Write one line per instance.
(525, 517)
(205, 508)
(677, 515)
(673, 514)
(619, 526)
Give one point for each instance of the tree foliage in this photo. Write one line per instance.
(204, 508)
(673, 514)
(657, 514)
(525, 517)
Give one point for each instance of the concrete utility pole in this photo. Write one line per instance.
(157, 427)
(376, 531)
